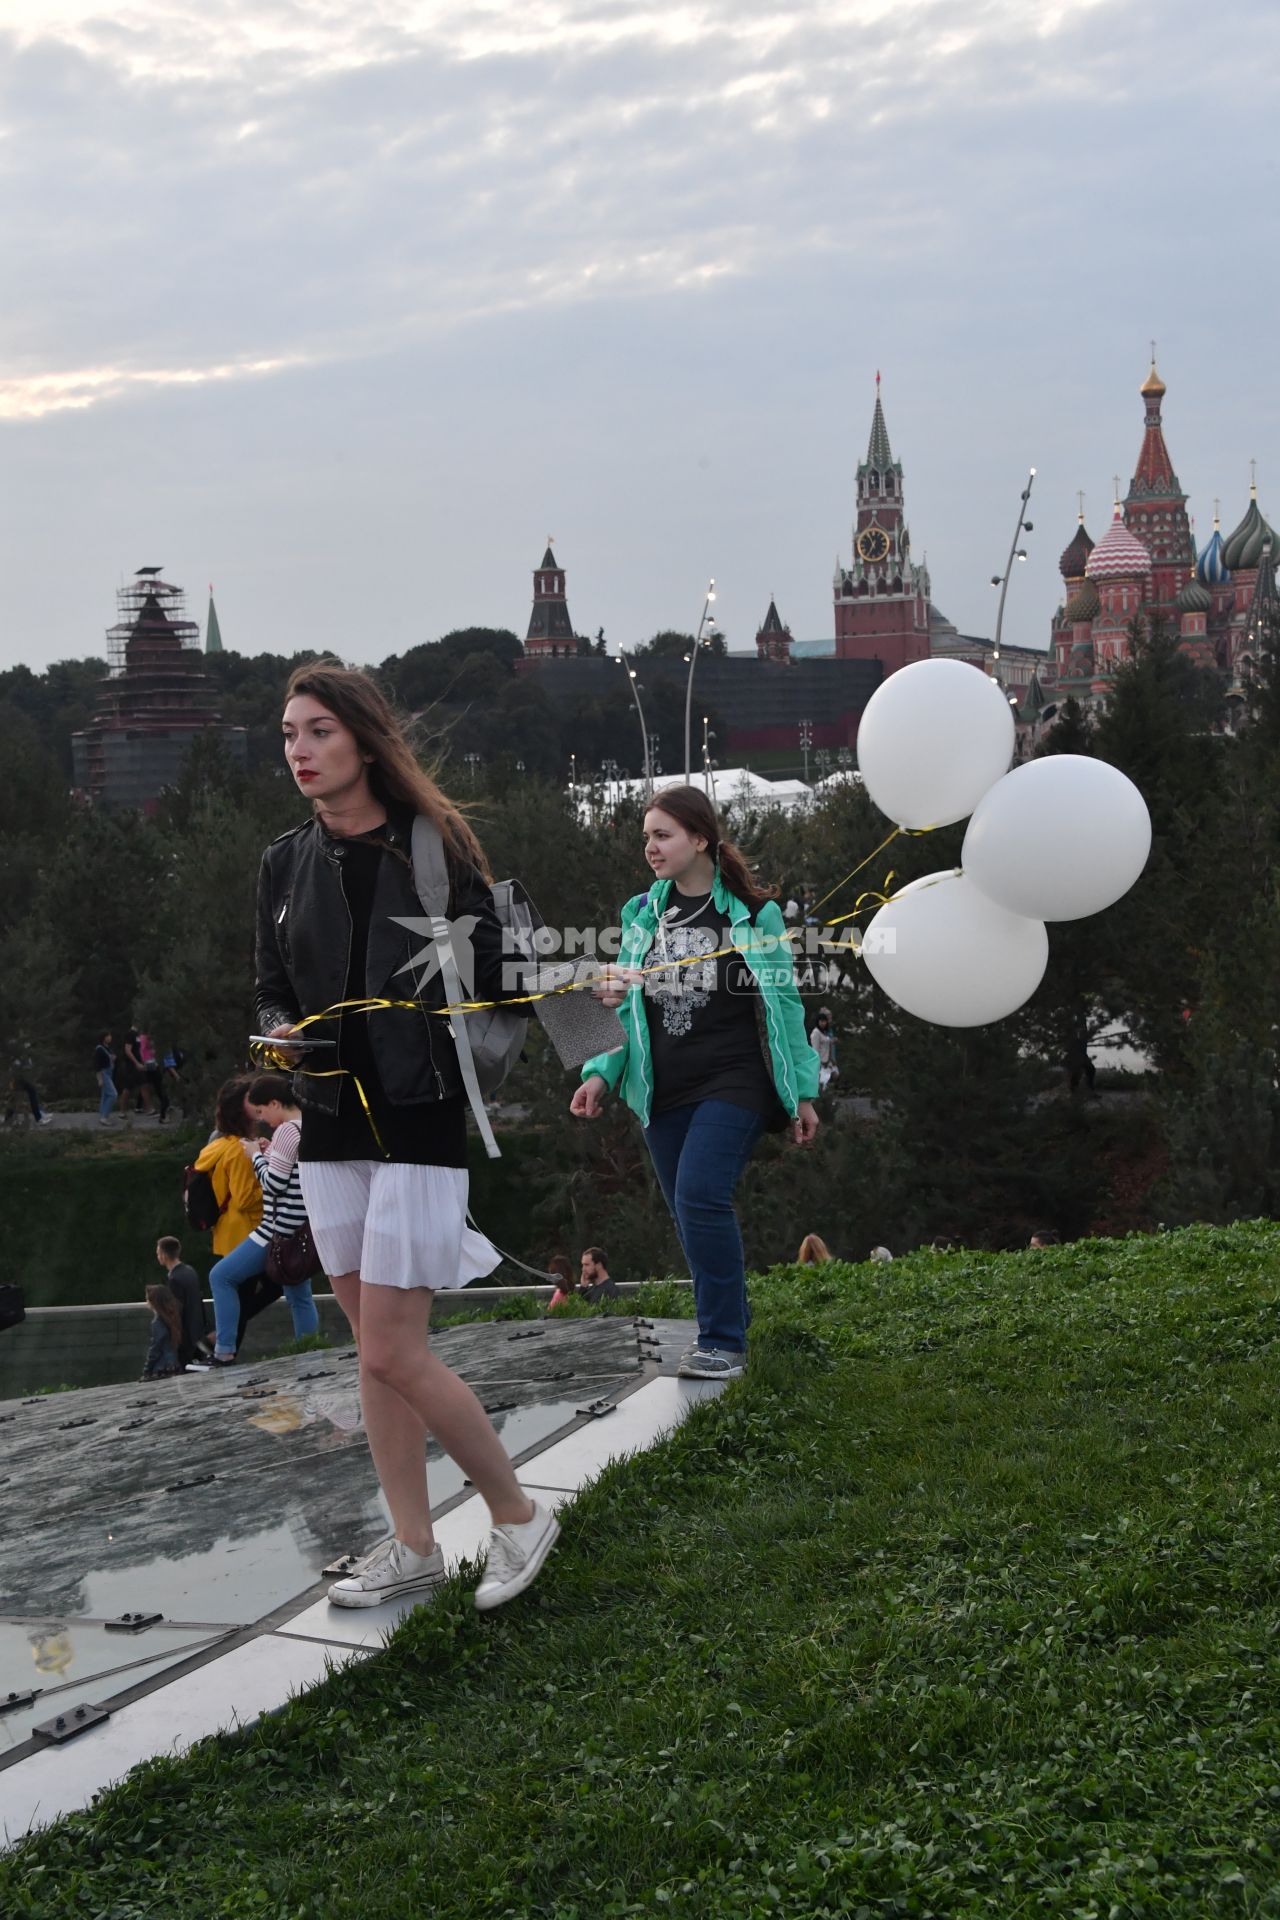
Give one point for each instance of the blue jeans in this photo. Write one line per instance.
(228, 1275)
(108, 1097)
(699, 1153)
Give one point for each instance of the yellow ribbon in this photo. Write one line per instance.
(281, 1061)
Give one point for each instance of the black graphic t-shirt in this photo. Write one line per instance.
(704, 1036)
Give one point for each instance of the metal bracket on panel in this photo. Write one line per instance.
(130, 1426)
(133, 1622)
(323, 1373)
(338, 1568)
(530, 1333)
(503, 1406)
(198, 1480)
(65, 1426)
(10, 1702)
(75, 1720)
(598, 1409)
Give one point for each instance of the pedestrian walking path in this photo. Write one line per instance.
(162, 1555)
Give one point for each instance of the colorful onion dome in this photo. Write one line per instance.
(1244, 547)
(1211, 568)
(1072, 564)
(1193, 597)
(1119, 555)
(1153, 385)
(1084, 604)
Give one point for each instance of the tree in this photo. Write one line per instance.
(667, 645)
(1070, 732)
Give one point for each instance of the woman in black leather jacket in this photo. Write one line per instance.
(383, 1152)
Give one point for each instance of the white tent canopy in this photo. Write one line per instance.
(729, 788)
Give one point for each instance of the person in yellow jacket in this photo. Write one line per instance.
(229, 1167)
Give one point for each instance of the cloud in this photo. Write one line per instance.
(38, 394)
(237, 182)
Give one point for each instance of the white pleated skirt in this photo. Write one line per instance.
(395, 1226)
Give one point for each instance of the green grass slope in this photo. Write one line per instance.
(965, 1602)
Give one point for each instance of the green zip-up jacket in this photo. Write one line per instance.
(765, 950)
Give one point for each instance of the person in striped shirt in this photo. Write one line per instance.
(268, 1101)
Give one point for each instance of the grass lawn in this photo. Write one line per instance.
(966, 1601)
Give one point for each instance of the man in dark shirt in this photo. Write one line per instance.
(185, 1285)
(596, 1284)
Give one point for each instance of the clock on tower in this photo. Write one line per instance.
(873, 543)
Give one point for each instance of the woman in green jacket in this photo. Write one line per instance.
(716, 1052)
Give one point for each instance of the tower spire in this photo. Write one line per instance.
(879, 452)
(212, 631)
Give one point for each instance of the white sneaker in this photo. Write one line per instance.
(516, 1553)
(389, 1572)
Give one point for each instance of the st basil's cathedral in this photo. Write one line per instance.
(1216, 601)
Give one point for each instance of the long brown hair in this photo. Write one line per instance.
(813, 1251)
(695, 813)
(228, 1112)
(395, 777)
(163, 1302)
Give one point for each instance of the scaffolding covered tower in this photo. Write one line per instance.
(155, 699)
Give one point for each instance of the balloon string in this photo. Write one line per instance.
(832, 891)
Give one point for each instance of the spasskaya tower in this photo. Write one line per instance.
(882, 599)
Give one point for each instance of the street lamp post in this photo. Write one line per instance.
(644, 730)
(473, 761)
(609, 768)
(688, 691)
(1001, 580)
(708, 768)
(806, 743)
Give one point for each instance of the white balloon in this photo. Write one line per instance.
(946, 953)
(934, 736)
(1058, 838)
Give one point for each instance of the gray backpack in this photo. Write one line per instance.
(489, 1042)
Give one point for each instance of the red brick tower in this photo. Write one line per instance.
(882, 600)
(773, 642)
(550, 634)
(1155, 507)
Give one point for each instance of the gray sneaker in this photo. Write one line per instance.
(389, 1572)
(710, 1363)
(516, 1553)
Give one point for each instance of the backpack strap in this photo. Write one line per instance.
(431, 878)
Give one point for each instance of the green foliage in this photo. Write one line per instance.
(963, 1603)
(1070, 732)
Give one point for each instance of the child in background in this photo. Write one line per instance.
(166, 1333)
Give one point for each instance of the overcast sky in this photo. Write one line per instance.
(346, 308)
